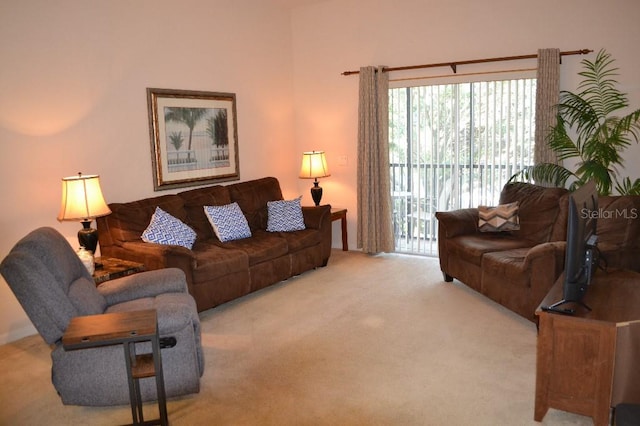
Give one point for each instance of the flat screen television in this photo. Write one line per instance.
(581, 255)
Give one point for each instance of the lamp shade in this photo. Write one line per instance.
(82, 198)
(314, 165)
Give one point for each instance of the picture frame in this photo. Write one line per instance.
(194, 137)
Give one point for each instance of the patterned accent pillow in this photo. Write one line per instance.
(166, 229)
(285, 216)
(228, 222)
(503, 217)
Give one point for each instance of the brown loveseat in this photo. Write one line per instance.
(217, 271)
(517, 268)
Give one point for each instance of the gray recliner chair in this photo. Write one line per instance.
(53, 286)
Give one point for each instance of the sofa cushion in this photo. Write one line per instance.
(298, 240)
(506, 280)
(538, 210)
(195, 199)
(228, 222)
(285, 215)
(214, 261)
(500, 218)
(166, 229)
(252, 197)
(262, 246)
(472, 247)
(128, 221)
(505, 263)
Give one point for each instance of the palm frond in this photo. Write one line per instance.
(629, 125)
(560, 142)
(544, 174)
(586, 131)
(579, 113)
(599, 85)
(627, 188)
(603, 146)
(594, 170)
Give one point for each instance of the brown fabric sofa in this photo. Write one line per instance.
(517, 268)
(619, 231)
(216, 271)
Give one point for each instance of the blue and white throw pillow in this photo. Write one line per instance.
(228, 222)
(166, 229)
(285, 216)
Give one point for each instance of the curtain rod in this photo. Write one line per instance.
(454, 64)
(466, 74)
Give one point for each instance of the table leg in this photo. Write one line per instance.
(162, 400)
(134, 389)
(345, 243)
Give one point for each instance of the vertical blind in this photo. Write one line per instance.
(454, 146)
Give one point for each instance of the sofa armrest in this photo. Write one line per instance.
(144, 284)
(457, 222)
(315, 217)
(549, 256)
(319, 217)
(157, 256)
(544, 251)
(544, 263)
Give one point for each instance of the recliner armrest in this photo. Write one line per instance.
(143, 284)
(458, 222)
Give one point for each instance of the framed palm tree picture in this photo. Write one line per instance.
(194, 137)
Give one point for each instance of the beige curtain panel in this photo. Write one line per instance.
(375, 228)
(547, 98)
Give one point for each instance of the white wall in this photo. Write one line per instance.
(339, 35)
(73, 76)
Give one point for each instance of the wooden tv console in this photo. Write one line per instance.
(588, 362)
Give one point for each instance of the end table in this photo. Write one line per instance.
(341, 215)
(113, 268)
(125, 328)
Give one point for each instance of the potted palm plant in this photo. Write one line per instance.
(588, 132)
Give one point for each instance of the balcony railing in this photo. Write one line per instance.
(420, 190)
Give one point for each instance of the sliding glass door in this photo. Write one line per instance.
(454, 146)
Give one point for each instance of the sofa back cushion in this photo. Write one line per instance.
(619, 221)
(194, 202)
(538, 212)
(252, 197)
(128, 221)
(619, 231)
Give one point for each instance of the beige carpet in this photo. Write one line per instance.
(368, 340)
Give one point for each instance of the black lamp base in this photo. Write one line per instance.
(316, 193)
(88, 237)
